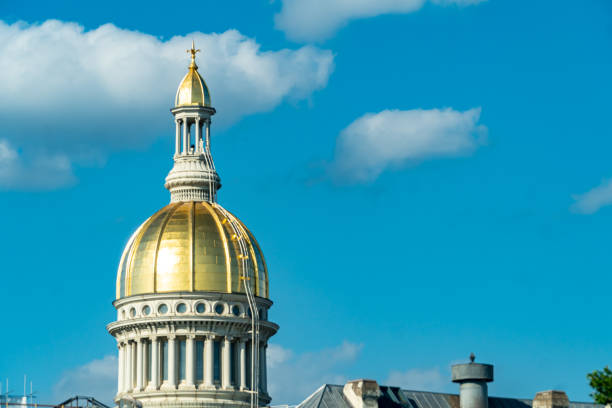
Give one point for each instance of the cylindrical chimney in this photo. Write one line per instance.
(473, 378)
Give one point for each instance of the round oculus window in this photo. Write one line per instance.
(181, 308)
(146, 310)
(235, 310)
(219, 308)
(162, 309)
(132, 312)
(200, 308)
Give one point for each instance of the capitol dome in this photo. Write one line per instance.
(190, 247)
(192, 295)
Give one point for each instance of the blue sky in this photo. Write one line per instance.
(426, 179)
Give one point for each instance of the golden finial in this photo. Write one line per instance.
(193, 52)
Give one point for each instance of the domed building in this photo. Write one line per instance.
(192, 294)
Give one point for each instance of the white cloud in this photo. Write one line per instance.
(312, 20)
(392, 138)
(81, 95)
(292, 377)
(430, 379)
(591, 201)
(39, 172)
(98, 378)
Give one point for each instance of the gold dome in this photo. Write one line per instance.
(190, 247)
(193, 90)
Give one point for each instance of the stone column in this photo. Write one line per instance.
(128, 368)
(133, 371)
(185, 137)
(208, 361)
(120, 381)
(139, 365)
(208, 134)
(154, 384)
(243, 367)
(198, 137)
(190, 362)
(177, 150)
(172, 362)
(145, 363)
(226, 364)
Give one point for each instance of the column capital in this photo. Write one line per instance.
(171, 336)
(191, 336)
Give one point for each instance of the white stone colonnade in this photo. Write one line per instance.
(156, 362)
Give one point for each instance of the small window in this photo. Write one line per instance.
(219, 308)
(164, 357)
(132, 312)
(200, 308)
(182, 353)
(217, 361)
(163, 309)
(181, 308)
(199, 361)
(235, 310)
(233, 370)
(146, 310)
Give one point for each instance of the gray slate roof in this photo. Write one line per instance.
(330, 396)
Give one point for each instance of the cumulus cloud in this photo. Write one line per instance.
(591, 201)
(392, 138)
(97, 378)
(312, 20)
(74, 96)
(430, 379)
(293, 376)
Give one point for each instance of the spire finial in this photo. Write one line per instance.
(193, 52)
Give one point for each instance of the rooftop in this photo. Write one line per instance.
(332, 396)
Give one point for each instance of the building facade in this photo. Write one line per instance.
(192, 293)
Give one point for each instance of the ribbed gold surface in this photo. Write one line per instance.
(190, 247)
(192, 90)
